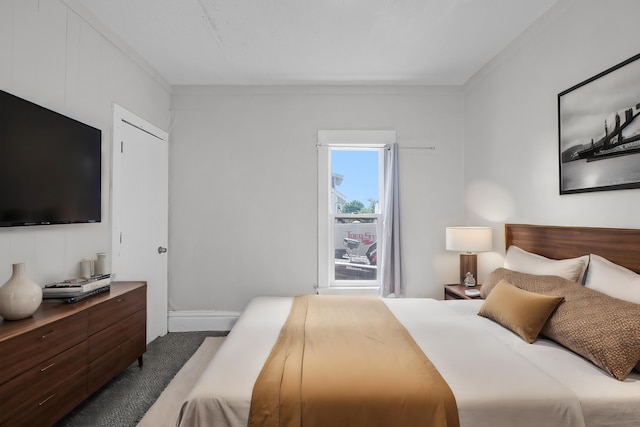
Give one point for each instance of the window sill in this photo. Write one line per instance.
(349, 290)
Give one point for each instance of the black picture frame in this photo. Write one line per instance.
(599, 131)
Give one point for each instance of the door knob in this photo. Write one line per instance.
(161, 250)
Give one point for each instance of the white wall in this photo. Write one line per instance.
(55, 58)
(243, 159)
(511, 128)
(243, 185)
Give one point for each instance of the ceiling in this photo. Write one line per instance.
(281, 42)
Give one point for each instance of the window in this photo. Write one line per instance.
(355, 215)
(351, 203)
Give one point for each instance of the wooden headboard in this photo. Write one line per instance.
(618, 245)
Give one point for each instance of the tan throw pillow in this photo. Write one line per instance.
(494, 277)
(600, 328)
(522, 312)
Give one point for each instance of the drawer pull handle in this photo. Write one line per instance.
(47, 367)
(46, 334)
(46, 400)
(121, 299)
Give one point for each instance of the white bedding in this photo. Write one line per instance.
(497, 378)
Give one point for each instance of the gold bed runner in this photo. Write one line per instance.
(347, 361)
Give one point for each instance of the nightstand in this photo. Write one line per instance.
(457, 291)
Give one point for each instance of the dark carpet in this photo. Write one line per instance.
(124, 401)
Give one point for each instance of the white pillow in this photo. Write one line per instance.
(613, 279)
(518, 259)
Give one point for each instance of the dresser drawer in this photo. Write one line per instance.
(36, 384)
(34, 347)
(111, 337)
(57, 402)
(116, 309)
(110, 364)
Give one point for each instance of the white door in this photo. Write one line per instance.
(140, 211)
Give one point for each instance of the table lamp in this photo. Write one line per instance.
(468, 241)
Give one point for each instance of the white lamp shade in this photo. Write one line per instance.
(468, 239)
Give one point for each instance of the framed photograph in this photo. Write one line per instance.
(599, 131)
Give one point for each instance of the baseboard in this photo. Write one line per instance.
(188, 321)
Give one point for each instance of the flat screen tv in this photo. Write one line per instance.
(50, 166)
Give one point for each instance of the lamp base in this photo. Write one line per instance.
(468, 264)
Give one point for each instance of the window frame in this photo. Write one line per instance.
(346, 140)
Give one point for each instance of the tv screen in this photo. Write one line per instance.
(50, 166)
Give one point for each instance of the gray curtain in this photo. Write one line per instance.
(392, 269)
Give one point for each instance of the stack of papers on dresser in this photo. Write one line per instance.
(75, 289)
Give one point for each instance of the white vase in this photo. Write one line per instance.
(20, 296)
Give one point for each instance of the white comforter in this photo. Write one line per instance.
(497, 378)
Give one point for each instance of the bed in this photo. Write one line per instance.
(497, 378)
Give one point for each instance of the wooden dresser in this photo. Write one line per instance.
(52, 361)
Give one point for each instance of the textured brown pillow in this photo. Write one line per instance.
(512, 277)
(600, 328)
(520, 311)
